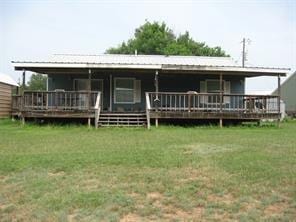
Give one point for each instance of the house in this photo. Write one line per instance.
(135, 89)
(288, 94)
(6, 86)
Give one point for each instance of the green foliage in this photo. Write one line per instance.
(37, 82)
(158, 39)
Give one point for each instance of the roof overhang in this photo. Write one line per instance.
(50, 67)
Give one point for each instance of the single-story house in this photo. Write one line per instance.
(6, 86)
(134, 89)
(288, 94)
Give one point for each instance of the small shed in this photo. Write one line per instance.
(6, 86)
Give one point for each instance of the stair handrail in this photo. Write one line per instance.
(97, 109)
(148, 107)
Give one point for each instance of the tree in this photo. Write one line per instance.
(157, 39)
(37, 82)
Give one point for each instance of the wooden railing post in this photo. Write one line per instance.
(148, 107)
(156, 99)
(89, 95)
(189, 102)
(221, 100)
(279, 101)
(97, 109)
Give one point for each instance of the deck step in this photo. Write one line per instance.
(122, 119)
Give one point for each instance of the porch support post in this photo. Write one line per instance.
(24, 80)
(157, 99)
(23, 120)
(89, 96)
(221, 100)
(23, 97)
(111, 92)
(279, 100)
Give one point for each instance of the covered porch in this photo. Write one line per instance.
(132, 90)
(159, 105)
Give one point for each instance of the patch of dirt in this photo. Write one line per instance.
(71, 217)
(3, 178)
(90, 184)
(226, 199)
(191, 174)
(5, 206)
(207, 148)
(55, 174)
(275, 209)
(172, 213)
(134, 195)
(130, 218)
(154, 196)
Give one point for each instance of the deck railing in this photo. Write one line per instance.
(97, 109)
(54, 100)
(211, 102)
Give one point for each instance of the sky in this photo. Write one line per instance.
(35, 29)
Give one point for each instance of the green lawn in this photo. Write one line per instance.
(71, 173)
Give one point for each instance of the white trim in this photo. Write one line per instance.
(82, 65)
(114, 90)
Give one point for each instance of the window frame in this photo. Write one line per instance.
(114, 90)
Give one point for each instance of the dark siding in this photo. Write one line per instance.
(167, 83)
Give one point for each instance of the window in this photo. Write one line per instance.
(124, 90)
(213, 86)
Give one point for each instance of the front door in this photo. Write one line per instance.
(96, 85)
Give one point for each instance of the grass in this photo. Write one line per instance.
(71, 173)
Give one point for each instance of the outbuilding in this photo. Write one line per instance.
(288, 94)
(6, 86)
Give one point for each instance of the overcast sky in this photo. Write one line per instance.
(35, 29)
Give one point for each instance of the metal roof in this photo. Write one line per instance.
(7, 80)
(140, 59)
(160, 62)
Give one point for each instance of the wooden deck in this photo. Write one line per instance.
(192, 105)
(55, 104)
(161, 105)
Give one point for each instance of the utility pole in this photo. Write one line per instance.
(244, 53)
